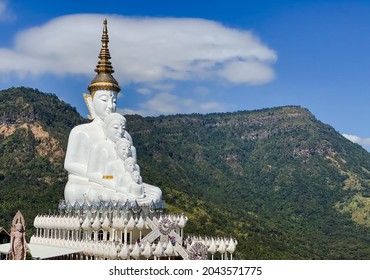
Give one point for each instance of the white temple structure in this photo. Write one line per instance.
(107, 211)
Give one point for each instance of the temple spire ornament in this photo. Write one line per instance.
(104, 79)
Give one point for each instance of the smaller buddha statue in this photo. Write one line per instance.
(102, 153)
(136, 186)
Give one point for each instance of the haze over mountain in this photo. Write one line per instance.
(281, 182)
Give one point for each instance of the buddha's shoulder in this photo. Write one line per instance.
(87, 128)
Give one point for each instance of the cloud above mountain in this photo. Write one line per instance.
(167, 103)
(144, 50)
(364, 142)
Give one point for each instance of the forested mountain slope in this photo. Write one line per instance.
(284, 184)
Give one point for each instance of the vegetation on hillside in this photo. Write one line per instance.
(34, 130)
(285, 185)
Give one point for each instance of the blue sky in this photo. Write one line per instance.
(198, 56)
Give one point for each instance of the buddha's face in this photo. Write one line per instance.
(130, 165)
(124, 150)
(116, 129)
(104, 102)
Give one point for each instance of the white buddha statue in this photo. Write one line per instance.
(123, 175)
(116, 168)
(125, 167)
(136, 186)
(127, 136)
(123, 148)
(104, 151)
(101, 102)
(80, 142)
(100, 157)
(101, 168)
(142, 192)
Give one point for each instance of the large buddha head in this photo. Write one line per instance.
(104, 102)
(104, 87)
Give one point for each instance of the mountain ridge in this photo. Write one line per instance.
(286, 185)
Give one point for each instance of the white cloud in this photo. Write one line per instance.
(129, 112)
(250, 72)
(166, 103)
(211, 107)
(163, 87)
(155, 87)
(365, 142)
(5, 13)
(144, 91)
(163, 103)
(201, 90)
(143, 50)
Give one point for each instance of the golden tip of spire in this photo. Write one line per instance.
(104, 68)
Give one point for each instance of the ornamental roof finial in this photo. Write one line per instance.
(104, 79)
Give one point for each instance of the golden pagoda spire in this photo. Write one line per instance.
(104, 79)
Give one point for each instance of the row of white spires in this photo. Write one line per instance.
(114, 250)
(118, 222)
(124, 231)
